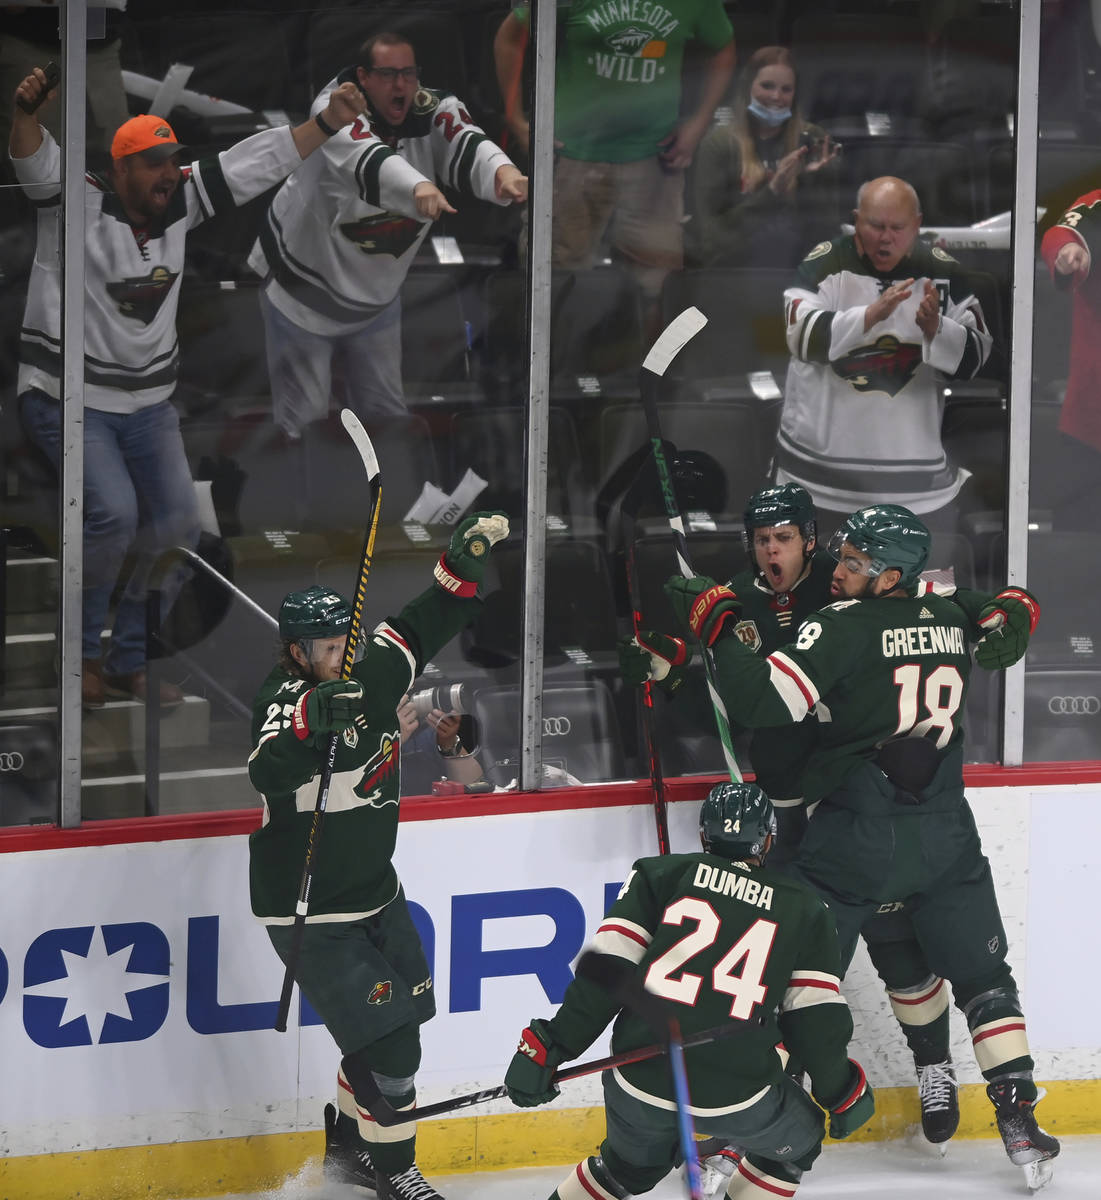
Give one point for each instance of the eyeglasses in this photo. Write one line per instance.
(389, 74)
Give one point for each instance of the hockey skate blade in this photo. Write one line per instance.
(1038, 1174)
(918, 1142)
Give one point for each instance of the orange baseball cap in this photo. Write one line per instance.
(147, 134)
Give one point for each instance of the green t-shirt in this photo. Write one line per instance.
(618, 78)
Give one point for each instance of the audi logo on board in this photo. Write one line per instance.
(556, 726)
(1074, 706)
(11, 760)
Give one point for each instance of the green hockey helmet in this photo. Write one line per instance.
(316, 612)
(891, 536)
(786, 504)
(735, 820)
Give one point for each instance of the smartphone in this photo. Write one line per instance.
(53, 78)
(814, 144)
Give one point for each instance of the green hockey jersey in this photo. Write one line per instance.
(874, 669)
(718, 941)
(353, 876)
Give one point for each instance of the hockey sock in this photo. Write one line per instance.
(392, 1147)
(998, 1032)
(590, 1178)
(759, 1178)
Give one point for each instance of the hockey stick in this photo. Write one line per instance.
(649, 733)
(619, 978)
(374, 480)
(680, 330)
(383, 1114)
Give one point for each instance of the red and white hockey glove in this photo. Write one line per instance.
(853, 1107)
(652, 657)
(463, 563)
(709, 609)
(330, 707)
(530, 1075)
(1011, 619)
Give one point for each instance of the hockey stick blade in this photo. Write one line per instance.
(385, 1115)
(672, 339)
(362, 443)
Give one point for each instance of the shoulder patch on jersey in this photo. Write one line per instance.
(818, 251)
(838, 605)
(424, 101)
(943, 255)
(748, 634)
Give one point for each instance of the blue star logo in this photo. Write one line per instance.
(93, 984)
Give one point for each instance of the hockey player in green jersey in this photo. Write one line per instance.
(361, 965)
(716, 936)
(789, 580)
(893, 827)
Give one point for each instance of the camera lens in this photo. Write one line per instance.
(447, 697)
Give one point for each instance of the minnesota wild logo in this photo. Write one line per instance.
(630, 40)
(141, 297)
(887, 366)
(388, 233)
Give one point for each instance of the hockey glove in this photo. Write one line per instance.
(529, 1075)
(709, 609)
(1011, 618)
(855, 1105)
(654, 657)
(327, 708)
(463, 563)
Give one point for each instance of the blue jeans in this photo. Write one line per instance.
(300, 367)
(138, 497)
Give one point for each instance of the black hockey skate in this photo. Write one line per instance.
(409, 1184)
(1028, 1146)
(345, 1161)
(940, 1103)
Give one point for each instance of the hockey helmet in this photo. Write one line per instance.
(786, 504)
(316, 612)
(735, 820)
(891, 536)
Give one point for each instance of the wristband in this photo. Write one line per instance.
(299, 724)
(324, 125)
(450, 582)
(456, 751)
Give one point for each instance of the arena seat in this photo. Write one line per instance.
(1062, 715)
(580, 616)
(725, 447)
(491, 441)
(596, 344)
(744, 307)
(580, 733)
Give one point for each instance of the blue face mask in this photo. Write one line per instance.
(769, 116)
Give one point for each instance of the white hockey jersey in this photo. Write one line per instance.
(132, 276)
(342, 233)
(862, 411)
